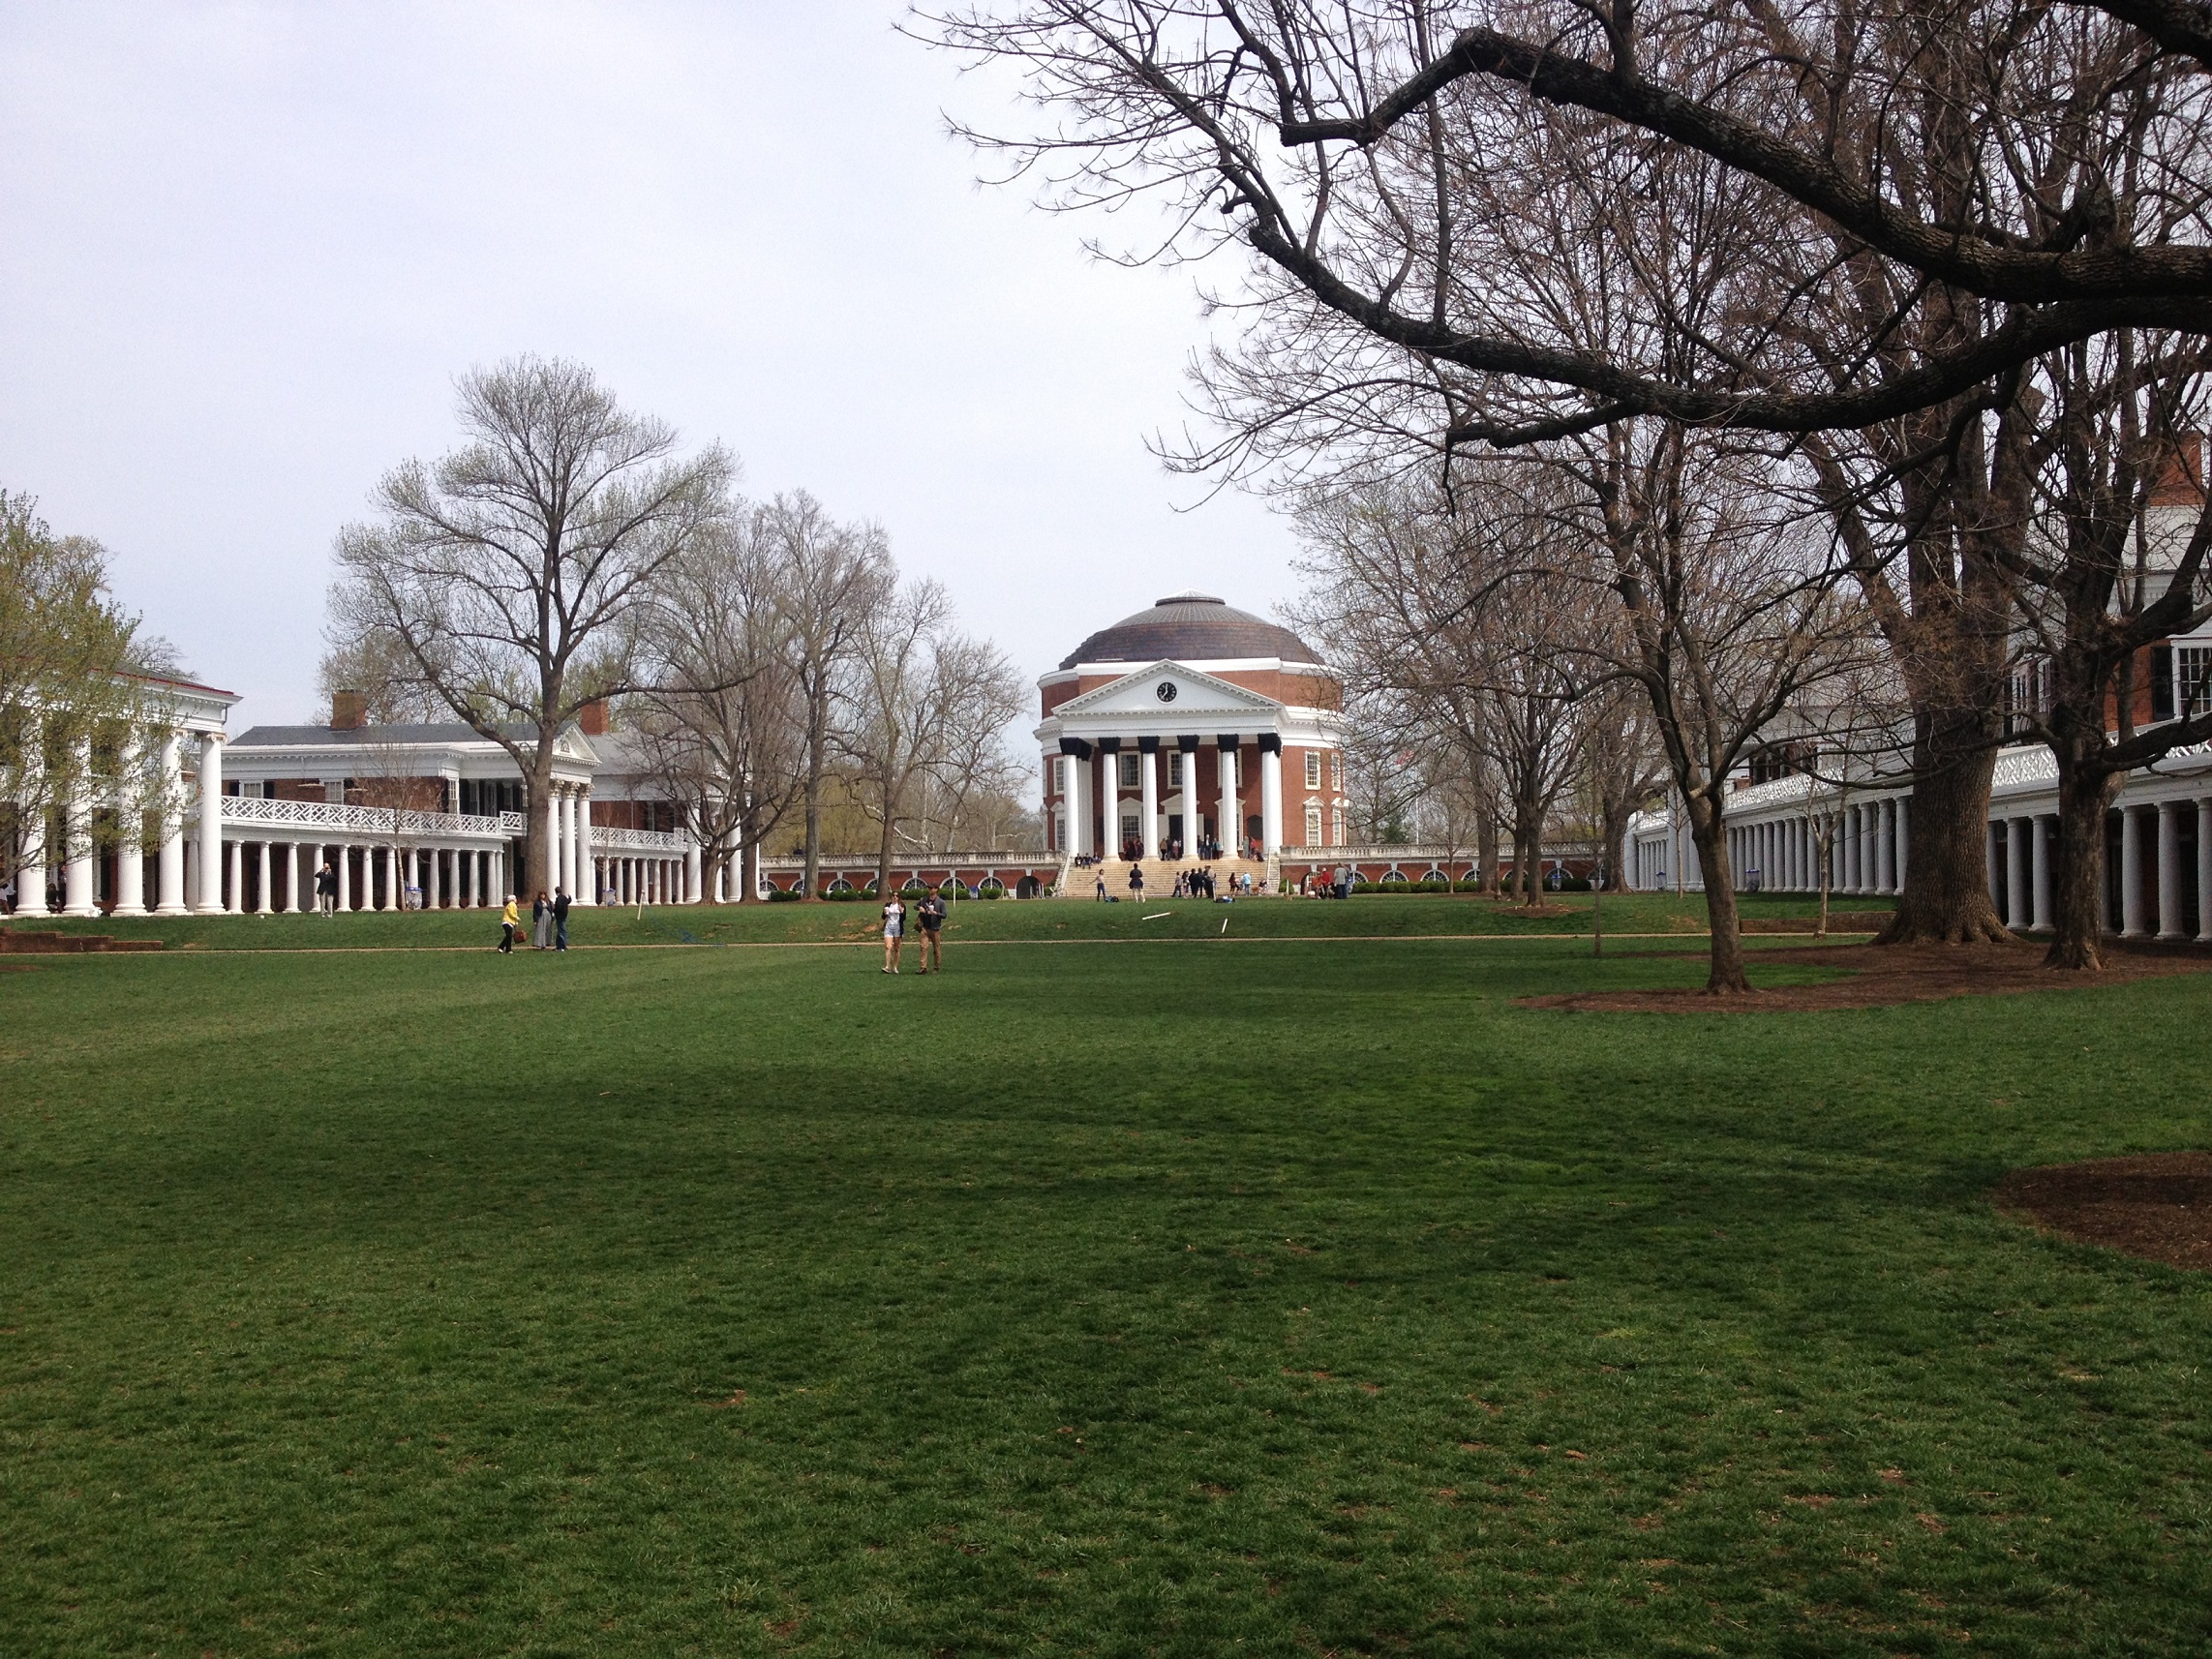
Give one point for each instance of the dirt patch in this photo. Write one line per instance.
(2157, 1206)
(1881, 975)
(1839, 921)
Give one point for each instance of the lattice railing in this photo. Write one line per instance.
(609, 840)
(368, 822)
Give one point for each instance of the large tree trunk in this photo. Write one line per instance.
(1724, 976)
(1486, 852)
(1946, 897)
(2078, 889)
(748, 861)
(1616, 849)
(537, 849)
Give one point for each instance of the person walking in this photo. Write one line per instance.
(893, 930)
(540, 921)
(510, 925)
(326, 889)
(931, 913)
(560, 919)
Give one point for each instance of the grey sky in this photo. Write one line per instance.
(249, 246)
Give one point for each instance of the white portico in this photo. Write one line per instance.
(1192, 730)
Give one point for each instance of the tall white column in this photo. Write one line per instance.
(2018, 872)
(693, 869)
(298, 873)
(2170, 923)
(1109, 801)
(1270, 802)
(211, 824)
(2204, 869)
(433, 880)
(345, 868)
(2132, 874)
(169, 862)
(1148, 780)
(234, 901)
(77, 897)
(2041, 842)
(586, 887)
(1229, 830)
(31, 873)
(1885, 847)
(261, 904)
(130, 841)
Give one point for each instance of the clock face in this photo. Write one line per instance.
(1165, 691)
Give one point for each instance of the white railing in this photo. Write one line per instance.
(1001, 859)
(608, 840)
(374, 822)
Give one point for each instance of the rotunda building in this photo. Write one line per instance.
(1192, 730)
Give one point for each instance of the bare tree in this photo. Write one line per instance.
(512, 572)
(833, 580)
(721, 720)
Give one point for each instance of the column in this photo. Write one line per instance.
(234, 901)
(130, 841)
(2169, 918)
(1109, 799)
(586, 887)
(434, 884)
(2132, 925)
(1885, 847)
(2040, 915)
(1148, 806)
(78, 898)
(31, 873)
(211, 824)
(261, 904)
(169, 862)
(693, 870)
(344, 869)
(2018, 872)
(1271, 800)
(1229, 830)
(2204, 869)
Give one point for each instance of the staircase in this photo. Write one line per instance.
(1082, 882)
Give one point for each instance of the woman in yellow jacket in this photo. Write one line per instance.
(510, 925)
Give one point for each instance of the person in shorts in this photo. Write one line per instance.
(893, 930)
(931, 913)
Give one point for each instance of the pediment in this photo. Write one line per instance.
(1195, 693)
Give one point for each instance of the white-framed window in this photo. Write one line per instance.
(1336, 827)
(1313, 817)
(1128, 771)
(1175, 770)
(1313, 773)
(2191, 678)
(1336, 769)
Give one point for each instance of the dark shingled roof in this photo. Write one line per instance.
(320, 736)
(1190, 627)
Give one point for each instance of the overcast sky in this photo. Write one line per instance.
(248, 247)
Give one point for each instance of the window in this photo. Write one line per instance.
(1312, 771)
(2162, 682)
(1336, 769)
(1314, 813)
(2192, 679)
(2027, 694)
(1128, 770)
(1176, 770)
(1336, 830)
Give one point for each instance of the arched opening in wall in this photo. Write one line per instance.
(841, 885)
(990, 884)
(1394, 878)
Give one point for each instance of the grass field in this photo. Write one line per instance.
(1276, 1294)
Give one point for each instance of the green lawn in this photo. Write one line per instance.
(1258, 1294)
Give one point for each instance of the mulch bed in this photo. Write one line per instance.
(2157, 1206)
(1883, 976)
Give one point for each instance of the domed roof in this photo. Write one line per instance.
(1190, 627)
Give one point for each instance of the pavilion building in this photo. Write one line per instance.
(1192, 730)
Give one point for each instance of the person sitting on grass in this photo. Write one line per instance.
(931, 913)
(894, 929)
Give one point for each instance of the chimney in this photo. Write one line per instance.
(349, 712)
(592, 717)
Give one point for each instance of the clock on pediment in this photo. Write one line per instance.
(1165, 691)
